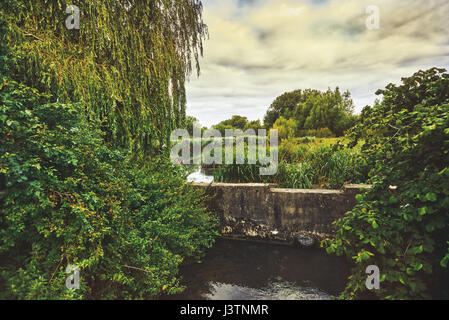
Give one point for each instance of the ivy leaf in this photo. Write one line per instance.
(445, 261)
(431, 197)
(422, 211)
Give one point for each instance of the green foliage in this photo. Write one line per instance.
(223, 127)
(240, 172)
(403, 230)
(128, 62)
(238, 123)
(67, 198)
(308, 139)
(3, 46)
(286, 128)
(285, 104)
(302, 167)
(318, 133)
(314, 110)
(290, 151)
(324, 167)
(254, 125)
(297, 176)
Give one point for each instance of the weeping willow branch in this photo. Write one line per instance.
(128, 62)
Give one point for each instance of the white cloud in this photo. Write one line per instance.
(261, 49)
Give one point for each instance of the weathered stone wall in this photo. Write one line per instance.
(264, 212)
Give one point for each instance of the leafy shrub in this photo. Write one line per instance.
(292, 152)
(285, 127)
(67, 198)
(405, 231)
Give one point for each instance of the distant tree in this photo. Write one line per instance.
(190, 123)
(286, 128)
(255, 125)
(237, 122)
(222, 128)
(314, 110)
(285, 105)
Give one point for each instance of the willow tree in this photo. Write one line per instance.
(127, 63)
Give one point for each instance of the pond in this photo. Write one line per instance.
(238, 270)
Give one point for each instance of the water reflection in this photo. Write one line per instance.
(276, 290)
(235, 270)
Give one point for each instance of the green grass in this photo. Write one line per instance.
(305, 164)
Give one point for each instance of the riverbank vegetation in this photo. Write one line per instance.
(404, 230)
(85, 179)
(304, 163)
(313, 150)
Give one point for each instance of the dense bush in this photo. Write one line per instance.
(66, 198)
(290, 151)
(405, 230)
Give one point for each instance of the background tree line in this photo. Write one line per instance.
(303, 113)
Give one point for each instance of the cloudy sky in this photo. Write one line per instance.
(259, 49)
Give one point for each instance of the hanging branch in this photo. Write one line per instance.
(120, 63)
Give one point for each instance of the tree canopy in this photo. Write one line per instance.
(314, 110)
(127, 63)
(238, 122)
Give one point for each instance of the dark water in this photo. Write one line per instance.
(236, 270)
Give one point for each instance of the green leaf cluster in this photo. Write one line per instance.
(314, 111)
(68, 198)
(403, 230)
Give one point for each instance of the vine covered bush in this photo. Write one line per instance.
(66, 198)
(402, 224)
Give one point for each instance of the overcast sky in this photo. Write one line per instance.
(259, 49)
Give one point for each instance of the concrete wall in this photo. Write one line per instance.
(264, 212)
